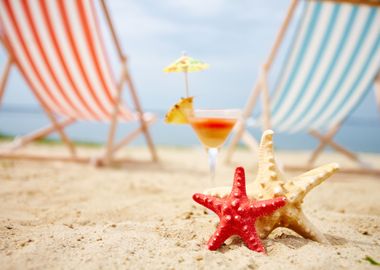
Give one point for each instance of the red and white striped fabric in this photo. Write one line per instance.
(57, 46)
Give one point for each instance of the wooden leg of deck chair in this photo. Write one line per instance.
(55, 127)
(322, 143)
(132, 135)
(110, 141)
(241, 128)
(367, 171)
(115, 147)
(266, 99)
(111, 148)
(35, 157)
(377, 90)
(316, 153)
(344, 151)
(250, 141)
(281, 33)
(59, 130)
(41, 133)
(123, 59)
(4, 77)
(143, 124)
(235, 140)
(112, 131)
(337, 147)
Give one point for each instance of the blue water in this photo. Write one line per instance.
(359, 134)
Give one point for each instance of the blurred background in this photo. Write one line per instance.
(234, 37)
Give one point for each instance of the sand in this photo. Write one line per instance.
(141, 216)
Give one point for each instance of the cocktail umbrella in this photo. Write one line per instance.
(186, 64)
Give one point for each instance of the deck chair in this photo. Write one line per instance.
(58, 48)
(331, 64)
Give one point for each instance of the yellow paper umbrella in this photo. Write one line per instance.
(186, 64)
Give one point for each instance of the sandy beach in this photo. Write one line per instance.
(141, 216)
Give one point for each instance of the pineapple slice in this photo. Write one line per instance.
(177, 113)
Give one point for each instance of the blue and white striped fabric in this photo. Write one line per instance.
(330, 67)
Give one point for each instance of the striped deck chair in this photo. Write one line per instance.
(58, 48)
(332, 63)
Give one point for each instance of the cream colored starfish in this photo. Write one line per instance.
(270, 182)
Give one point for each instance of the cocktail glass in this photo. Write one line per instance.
(212, 128)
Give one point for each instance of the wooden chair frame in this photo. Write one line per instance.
(59, 125)
(261, 88)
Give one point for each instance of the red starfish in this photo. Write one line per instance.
(238, 214)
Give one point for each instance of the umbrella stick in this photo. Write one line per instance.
(187, 84)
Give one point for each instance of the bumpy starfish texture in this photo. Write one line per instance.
(238, 214)
(271, 183)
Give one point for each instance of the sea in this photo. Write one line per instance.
(358, 133)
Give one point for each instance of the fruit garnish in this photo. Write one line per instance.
(178, 113)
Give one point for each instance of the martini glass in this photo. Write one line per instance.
(212, 128)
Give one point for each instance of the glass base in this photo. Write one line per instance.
(212, 156)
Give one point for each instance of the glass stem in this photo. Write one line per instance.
(212, 155)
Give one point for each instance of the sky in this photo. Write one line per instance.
(228, 35)
(234, 37)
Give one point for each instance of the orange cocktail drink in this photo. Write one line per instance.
(212, 132)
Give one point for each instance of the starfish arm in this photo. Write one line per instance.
(238, 187)
(249, 235)
(210, 202)
(219, 192)
(221, 234)
(267, 169)
(306, 229)
(301, 185)
(267, 207)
